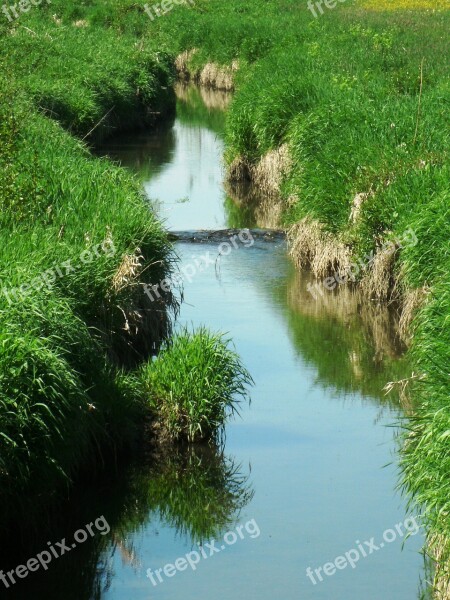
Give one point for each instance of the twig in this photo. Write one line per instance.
(30, 30)
(95, 126)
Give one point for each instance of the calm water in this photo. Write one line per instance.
(311, 461)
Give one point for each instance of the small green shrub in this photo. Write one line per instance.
(195, 384)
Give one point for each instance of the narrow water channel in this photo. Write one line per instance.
(309, 469)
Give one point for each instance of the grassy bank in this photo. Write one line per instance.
(79, 244)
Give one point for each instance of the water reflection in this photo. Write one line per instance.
(197, 492)
(360, 347)
(202, 106)
(145, 153)
(259, 208)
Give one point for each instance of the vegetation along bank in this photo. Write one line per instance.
(340, 118)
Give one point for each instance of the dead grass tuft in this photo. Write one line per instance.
(378, 281)
(312, 247)
(357, 203)
(218, 77)
(439, 551)
(128, 272)
(271, 170)
(182, 64)
(412, 301)
(212, 75)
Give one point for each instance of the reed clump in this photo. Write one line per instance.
(195, 384)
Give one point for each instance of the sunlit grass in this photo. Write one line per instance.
(195, 385)
(399, 5)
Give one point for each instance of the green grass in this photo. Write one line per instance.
(65, 403)
(195, 384)
(342, 90)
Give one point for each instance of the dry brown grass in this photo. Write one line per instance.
(128, 271)
(81, 24)
(357, 204)
(269, 173)
(212, 75)
(378, 281)
(182, 64)
(239, 171)
(218, 77)
(438, 548)
(324, 254)
(412, 301)
(312, 247)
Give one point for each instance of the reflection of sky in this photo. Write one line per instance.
(194, 174)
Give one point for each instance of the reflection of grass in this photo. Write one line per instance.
(358, 350)
(345, 359)
(239, 217)
(198, 491)
(144, 153)
(191, 110)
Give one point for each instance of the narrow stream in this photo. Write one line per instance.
(310, 466)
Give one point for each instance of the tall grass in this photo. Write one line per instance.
(195, 384)
(64, 401)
